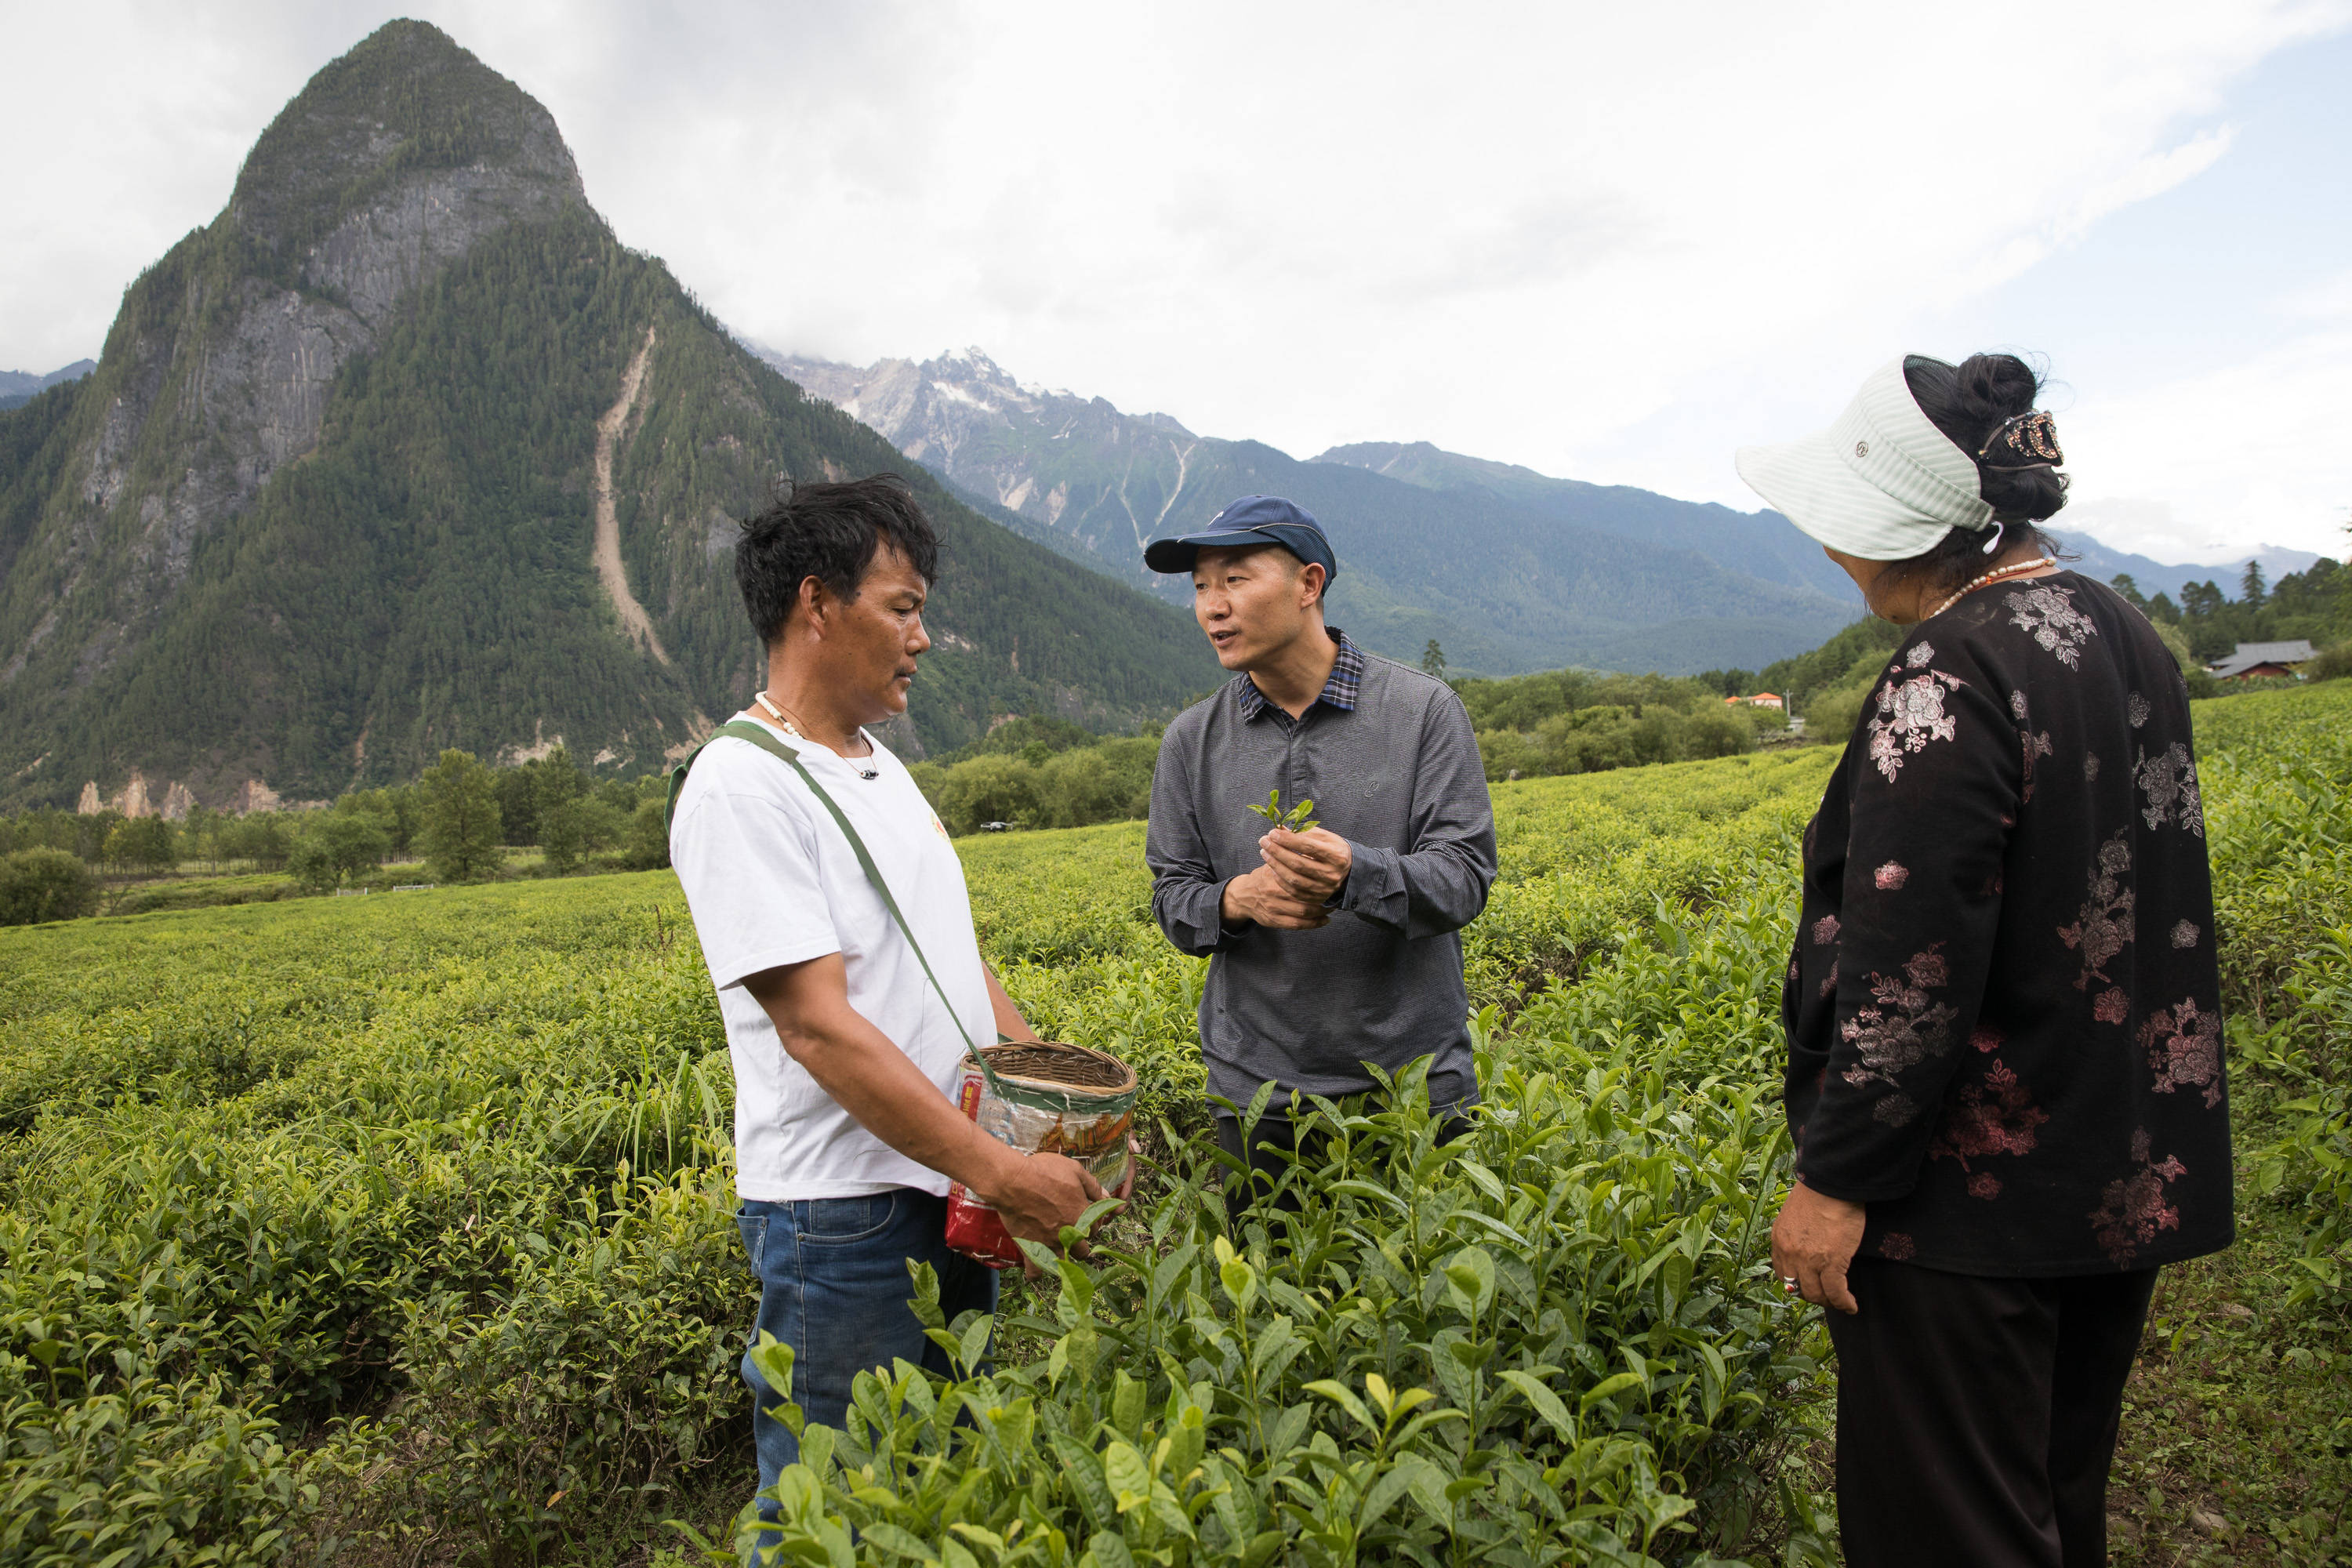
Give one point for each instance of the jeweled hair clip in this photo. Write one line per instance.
(2032, 435)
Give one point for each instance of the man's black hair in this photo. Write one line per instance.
(831, 532)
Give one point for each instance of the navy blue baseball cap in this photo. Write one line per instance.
(1253, 519)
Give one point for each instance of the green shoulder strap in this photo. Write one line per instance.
(761, 736)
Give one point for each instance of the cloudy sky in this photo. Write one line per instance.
(1611, 242)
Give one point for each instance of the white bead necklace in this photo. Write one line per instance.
(784, 721)
(2034, 565)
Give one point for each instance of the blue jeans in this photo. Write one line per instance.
(834, 1285)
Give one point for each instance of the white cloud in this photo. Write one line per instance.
(2208, 466)
(1612, 241)
(2150, 176)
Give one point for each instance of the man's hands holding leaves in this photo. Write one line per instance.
(1293, 890)
(1311, 866)
(1038, 1195)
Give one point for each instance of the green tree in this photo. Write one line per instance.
(2176, 643)
(2252, 588)
(988, 789)
(2124, 583)
(1095, 784)
(603, 825)
(459, 822)
(394, 809)
(560, 803)
(517, 792)
(2201, 599)
(260, 838)
(338, 846)
(647, 847)
(45, 884)
(1433, 660)
(144, 844)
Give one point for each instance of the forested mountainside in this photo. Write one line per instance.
(329, 502)
(1505, 586)
(1763, 544)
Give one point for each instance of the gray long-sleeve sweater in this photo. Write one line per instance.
(1398, 777)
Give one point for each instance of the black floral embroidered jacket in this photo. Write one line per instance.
(2003, 1008)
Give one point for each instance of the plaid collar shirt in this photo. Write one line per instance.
(1339, 692)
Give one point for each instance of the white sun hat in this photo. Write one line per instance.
(1883, 483)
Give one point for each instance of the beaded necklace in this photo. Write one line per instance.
(2024, 566)
(784, 722)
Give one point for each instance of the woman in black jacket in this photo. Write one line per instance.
(2005, 1076)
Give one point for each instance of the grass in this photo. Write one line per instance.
(2237, 1430)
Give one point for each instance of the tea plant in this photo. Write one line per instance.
(398, 1228)
(1543, 1342)
(1299, 818)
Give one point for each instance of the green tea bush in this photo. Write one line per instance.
(147, 1471)
(398, 1225)
(1549, 1341)
(603, 1365)
(2277, 773)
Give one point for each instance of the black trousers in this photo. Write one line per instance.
(1274, 1137)
(1274, 1131)
(1976, 1418)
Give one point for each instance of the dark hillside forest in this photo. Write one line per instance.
(189, 591)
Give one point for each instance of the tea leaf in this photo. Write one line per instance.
(1127, 1403)
(1128, 1477)
(1340, 1395)
(1240, 1281)
(1546, 1403)
(897, 1543)
(1086, 1481)
(1609, 1388)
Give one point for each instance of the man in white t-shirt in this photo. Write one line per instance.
(846, 1056)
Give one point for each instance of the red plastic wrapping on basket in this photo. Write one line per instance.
(1088, 1123)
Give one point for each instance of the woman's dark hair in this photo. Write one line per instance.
(831, 532)
(1968, 403)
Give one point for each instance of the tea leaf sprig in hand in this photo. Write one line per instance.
(1298, 819)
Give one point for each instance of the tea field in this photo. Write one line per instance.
(395, 1230)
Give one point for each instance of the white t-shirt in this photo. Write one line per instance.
(772, 880)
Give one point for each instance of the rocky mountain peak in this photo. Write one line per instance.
(393, 161)
(407, 100)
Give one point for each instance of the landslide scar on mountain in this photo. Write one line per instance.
(634, 619)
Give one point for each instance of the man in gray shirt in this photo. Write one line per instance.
(1335, 947)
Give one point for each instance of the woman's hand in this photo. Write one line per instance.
(1813, 1241)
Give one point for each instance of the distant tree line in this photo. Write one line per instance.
(459, 819)
(2314, 605)
(1040, 772)
(1049, 773)
(1585, 722)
